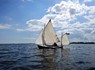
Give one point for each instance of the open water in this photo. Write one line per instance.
(29, 57)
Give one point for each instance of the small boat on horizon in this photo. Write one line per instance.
(49, 39)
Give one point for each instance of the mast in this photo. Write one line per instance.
(43, 36)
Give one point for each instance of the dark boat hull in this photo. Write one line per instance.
(48, 47)
(42, 47)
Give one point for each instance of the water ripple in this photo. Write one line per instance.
(29, 57)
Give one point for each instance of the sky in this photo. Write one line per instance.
(21, 21)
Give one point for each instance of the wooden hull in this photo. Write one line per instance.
(48, 47)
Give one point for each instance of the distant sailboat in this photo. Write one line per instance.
(47, 37)
(64, 39)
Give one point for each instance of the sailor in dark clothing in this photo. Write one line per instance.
(54, 44)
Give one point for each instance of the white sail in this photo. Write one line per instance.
(65, 40)
(39, 40)
(50, 36)
(47, 35)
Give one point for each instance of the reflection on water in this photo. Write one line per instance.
(29, 57)
(52, 58)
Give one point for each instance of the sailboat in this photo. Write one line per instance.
(64, 39)
(47, 37)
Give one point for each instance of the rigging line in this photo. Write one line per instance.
(44, 43)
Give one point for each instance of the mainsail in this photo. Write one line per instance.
(64, 39)
(47, 36)
(50, 36)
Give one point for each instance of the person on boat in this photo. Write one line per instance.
(54, 44)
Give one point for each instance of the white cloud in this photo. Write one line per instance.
(62, 15)
(5, 26)
(35, 25)
(69, 7)
(92, 10)
(8, 18)
(87, 0)
(27, 0)
(81, 34)
(65, 17)
(19, 30)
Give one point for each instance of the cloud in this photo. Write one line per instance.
(8, 18)
(33, 25)
(64, 17)
(27, 0)
(79, 34)
(20, 30)
(87, 0)
(5, 26)
(68, 7)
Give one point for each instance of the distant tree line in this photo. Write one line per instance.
(82, 43)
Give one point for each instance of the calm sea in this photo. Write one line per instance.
(29, 57)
